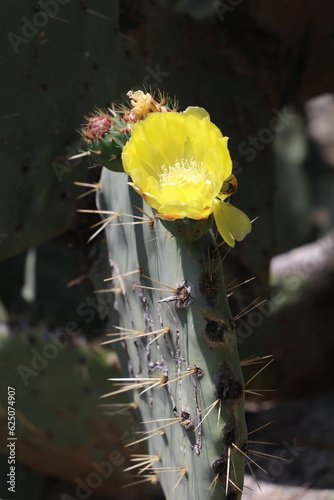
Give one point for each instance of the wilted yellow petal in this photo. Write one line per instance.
(231, 222)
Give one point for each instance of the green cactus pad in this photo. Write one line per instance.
(51, 81)
(61, 428)
(194, 405)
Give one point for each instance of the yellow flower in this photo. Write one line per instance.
(178, 163)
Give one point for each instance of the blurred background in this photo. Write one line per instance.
(264, 71)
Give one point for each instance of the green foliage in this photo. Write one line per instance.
(39, 364)
(58, 70)
(61, 427)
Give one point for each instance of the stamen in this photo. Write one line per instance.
(183, 172)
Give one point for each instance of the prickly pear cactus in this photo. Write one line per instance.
(58, 427)
(176, 334)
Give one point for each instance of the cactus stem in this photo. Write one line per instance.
(259, 371)
(103, 212)
(254, 361)
(229, 287)
(175, 420)
(108, 290)
(191, 371)
(122, 276)
(149, 478)
(79, 155)
(145, 461)
(132, 385)
(249, 308)
(228, 469)
(207, 411)
(235, 486)
(132, 223)
(224, 469)
(257, 393)
(267, 456)
(261, 442)
(170, 469)
(135, 334)
(214, 483)
(181, 474)
(115, 215)
(159, 433)
(253, 475)
(248, 459)
(120, 408)
(106, 223)
(163, 332)
(160, 381)
(158, 283)
(160, 420)
(154, 288)
(261, 427)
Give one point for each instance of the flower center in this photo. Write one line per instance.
(183, 172)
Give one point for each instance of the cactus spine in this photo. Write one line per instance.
(177, 336)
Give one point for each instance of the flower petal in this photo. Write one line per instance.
(231, 222)
(197, 111)
(178, 159)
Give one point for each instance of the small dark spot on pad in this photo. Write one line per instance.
(219, 467)
(229, 437)
(187, 419)
(228, 390)
(210, 287)
(216, 330)
(228, 387)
